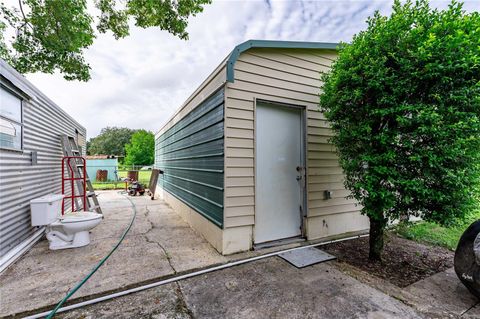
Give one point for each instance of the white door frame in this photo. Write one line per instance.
(303, 115)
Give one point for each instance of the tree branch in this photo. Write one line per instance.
(24, 17)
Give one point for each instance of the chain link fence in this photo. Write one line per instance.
(113, 176)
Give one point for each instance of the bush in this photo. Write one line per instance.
(404, 102)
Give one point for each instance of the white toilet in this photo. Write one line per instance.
(68, 231)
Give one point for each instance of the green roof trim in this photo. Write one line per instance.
(242, 47)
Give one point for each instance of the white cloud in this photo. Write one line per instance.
(138, 82)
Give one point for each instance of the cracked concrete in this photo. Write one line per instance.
(271, 288)
(439, 296)
(442, 296)
(159, 244)
(268, 288)
(169, 258)
(163, 302)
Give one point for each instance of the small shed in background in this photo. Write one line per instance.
(106, 163)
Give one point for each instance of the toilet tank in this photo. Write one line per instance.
(46, 209)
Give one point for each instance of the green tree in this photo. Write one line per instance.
(403, 100)
(141, 149)
(110, 141)
(51, 35)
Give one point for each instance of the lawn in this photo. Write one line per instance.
(143, 177)
(435, 234)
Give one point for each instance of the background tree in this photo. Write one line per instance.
(110, 141)
(404, 102)
(141, 149)
(49, 35)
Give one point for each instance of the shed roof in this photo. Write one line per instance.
(242, 47)
(229, 61)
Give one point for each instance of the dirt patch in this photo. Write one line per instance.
(404, 261)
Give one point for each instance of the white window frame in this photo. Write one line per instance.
(22, 101)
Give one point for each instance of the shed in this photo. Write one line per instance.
(107, 163)
(247, 159)
(30, 157)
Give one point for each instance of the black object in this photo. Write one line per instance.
(327, 194)
(152, 186)
(34, 157)
(135, 188)
(466, 262)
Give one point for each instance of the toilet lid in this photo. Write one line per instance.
(79, 217)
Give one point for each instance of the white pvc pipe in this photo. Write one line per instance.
(182, 277)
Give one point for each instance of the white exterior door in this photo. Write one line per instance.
(279, 172)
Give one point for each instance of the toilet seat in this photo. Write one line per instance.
(77, 217)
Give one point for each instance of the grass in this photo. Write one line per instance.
(143, 177)
(434, 234)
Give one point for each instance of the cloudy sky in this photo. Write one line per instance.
(139, 82)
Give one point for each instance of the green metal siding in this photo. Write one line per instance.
(191, 155)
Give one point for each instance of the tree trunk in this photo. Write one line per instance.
(377, 228)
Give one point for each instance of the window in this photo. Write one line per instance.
(11, 127)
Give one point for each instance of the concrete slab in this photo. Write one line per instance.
(472, 313)
(441, 296)
(159, 244)
(272, 288)
(159, 303)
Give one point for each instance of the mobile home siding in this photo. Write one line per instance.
(289, 76)
(20, 180)
(190, 153)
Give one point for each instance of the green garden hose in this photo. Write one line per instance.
(84, 280)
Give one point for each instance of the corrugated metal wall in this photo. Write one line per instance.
(20, 180)
(191, 155)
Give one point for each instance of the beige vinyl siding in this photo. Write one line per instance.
(239, 161)
(285, 76)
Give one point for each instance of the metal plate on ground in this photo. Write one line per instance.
(304, 257)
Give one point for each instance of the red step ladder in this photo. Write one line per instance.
(74, 164)
(72, 177)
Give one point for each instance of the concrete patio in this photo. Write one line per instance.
(161, 245)
(269, 288)
(272, 288)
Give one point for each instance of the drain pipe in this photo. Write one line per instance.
(185, 276)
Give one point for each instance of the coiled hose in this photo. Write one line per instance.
(99, 264)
